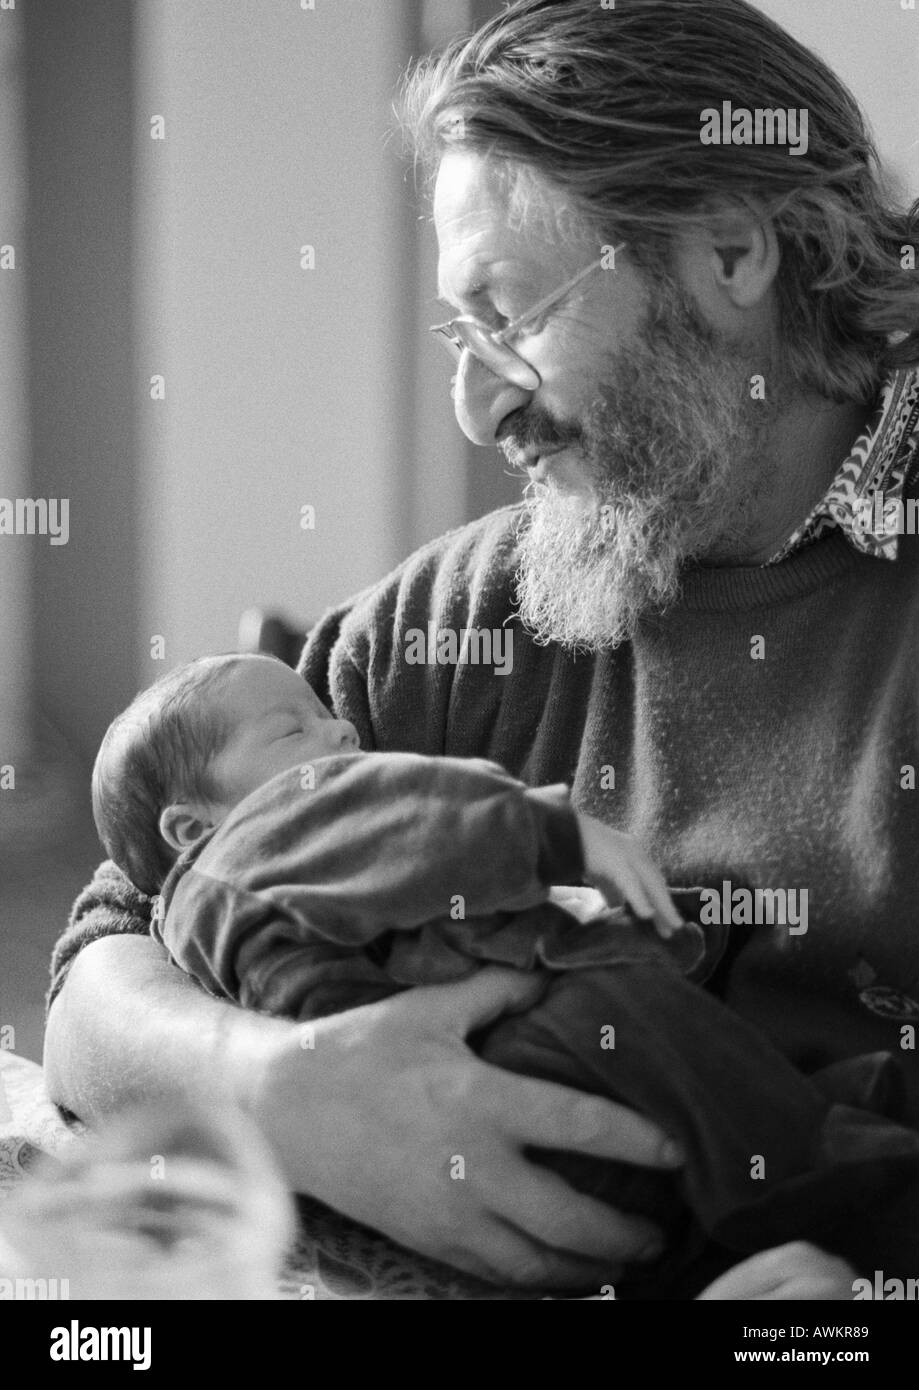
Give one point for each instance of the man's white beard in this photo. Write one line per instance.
(586, 577)
(670, 445)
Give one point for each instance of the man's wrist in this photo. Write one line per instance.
(245, 1047)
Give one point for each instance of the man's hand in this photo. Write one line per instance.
(370, 1117)
(795, 1272)
(618, 865)
(374, 1116)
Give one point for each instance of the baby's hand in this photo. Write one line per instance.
(618, 865)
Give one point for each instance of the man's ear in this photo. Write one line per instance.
(744, 259)
(184, 822)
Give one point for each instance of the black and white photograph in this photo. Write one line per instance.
(459, 669)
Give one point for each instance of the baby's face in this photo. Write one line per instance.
(276, 722)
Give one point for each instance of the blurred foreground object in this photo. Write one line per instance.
(184, 1203)
(268, 632)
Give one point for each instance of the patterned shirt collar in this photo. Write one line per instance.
(865, 499)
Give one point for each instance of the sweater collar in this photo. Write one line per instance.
(865, 499)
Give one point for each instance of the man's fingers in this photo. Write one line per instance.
(549, 1116)
(565, 1222)
(465, 1005)
(508, 1256)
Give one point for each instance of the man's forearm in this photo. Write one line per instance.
(128, 1026)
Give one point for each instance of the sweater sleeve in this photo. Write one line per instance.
(108, 906)
(379, 844)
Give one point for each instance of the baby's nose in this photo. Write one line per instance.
(347, 734)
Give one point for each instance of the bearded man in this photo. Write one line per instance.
(703, 357)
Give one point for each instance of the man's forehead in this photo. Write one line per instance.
(472, 215)
(468, 186)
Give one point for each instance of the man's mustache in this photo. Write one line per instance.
(533, 431)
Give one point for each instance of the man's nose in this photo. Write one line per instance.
(481, 399)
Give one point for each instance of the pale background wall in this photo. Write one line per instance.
(873, 45)
(15, 576)
(285, 387)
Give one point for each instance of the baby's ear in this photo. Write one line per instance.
(183, 823)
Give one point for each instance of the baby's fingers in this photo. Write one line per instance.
(644, 887)
(666, 918)
(616, 861)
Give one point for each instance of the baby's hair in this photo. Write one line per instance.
(158, 750)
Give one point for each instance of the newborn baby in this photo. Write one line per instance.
(185, 755)
(302, 877)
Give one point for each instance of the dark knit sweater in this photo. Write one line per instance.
(781, 772)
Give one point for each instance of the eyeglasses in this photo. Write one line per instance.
(468, 334)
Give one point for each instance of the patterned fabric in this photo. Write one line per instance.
(865, 499)
(29, 1124)
(335, 1258)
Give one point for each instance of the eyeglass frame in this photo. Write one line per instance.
(456, 346)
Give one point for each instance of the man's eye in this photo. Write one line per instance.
(532, 327)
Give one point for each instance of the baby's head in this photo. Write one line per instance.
(192, 746)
